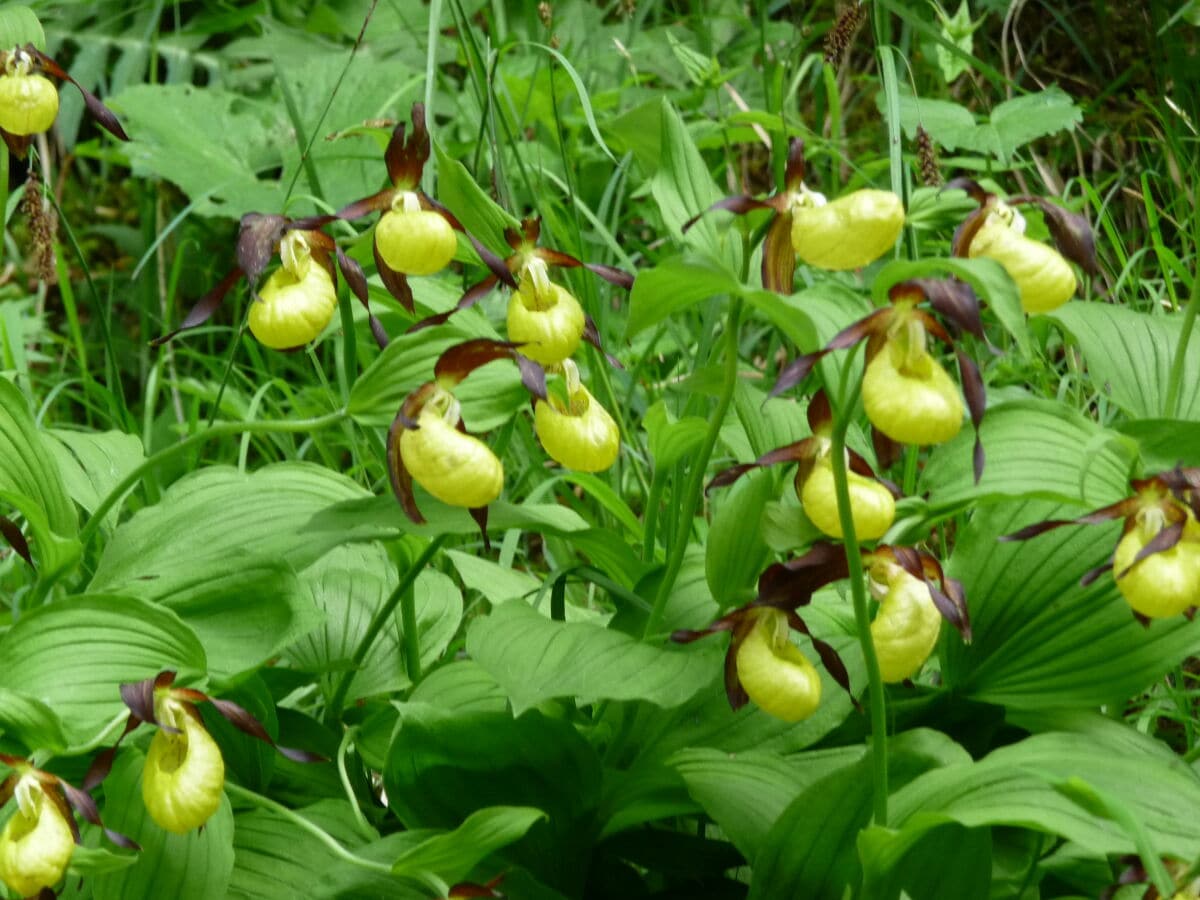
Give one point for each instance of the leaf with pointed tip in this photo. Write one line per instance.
(74, 653)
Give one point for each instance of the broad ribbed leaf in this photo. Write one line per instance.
(536, 659)
(275, 859)
(810, 850)
(1129, 355)
(683, 188)
(1040, 639)
(244, 612)
(443, 765)
(93, 464)
(74, 655)
(26, 466)
(1016, 785)
(745, 793)
(490, 395)
(672, 286)
(735, 551)
(1164, 443)
(192, 866)
(30, 721)
(218, 512)
(1035, 448)
(349, 585)
(450, 857)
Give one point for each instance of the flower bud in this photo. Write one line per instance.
(910, 398)
(458, 469)
(184, 777)
(412, 240)
(871, 504)
(28, 102)
(850, 232)
(584, 436)
(905, 629)
(773, 671)
(1044, 278)
(1163, 584)
(37, 841)
(297, 302)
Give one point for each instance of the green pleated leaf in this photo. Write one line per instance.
(192, 866)
(683, 188)
(490, 396)
(93, 464)
(1040, 639)
(470, 203)
(276, 859)
(451, 857)
(1035, 448)
(26, 467)
(349, 585)
(30, 721)
(735, 552)
(74, 654)
(1019, 785)
(244, 612)
(810, 850)
(944, 861)
(218, 512)
(673, 286)
(745, 793)
(378, 519)
(442, 766)
(1129, 356)
(1164, 443)
(19, 25)
(535, 659)
(671, 440)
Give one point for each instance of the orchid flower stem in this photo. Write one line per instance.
(694, 486)
(220, 429)
(258, 800)
(862, 617)
(412, 645)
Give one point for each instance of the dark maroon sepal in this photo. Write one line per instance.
(778, 256)
(398, 474)
(104, 116)
(830, 658)
(459, 361)
(739, 205)
(204, 308)
(395, 282)
(241, 719)
(12, 534)
(406, 158)
(480, 515)
(83, 804)
(1165, 540)
(1072, 235)
(377, 202)
(793, 176)
(357, 281)
(473, 295)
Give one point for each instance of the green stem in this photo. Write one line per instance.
(412, 646)
(862, 617)
(1185, 336)
(695, 482)
(236, 790)
(653, 501)
(220, 429)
